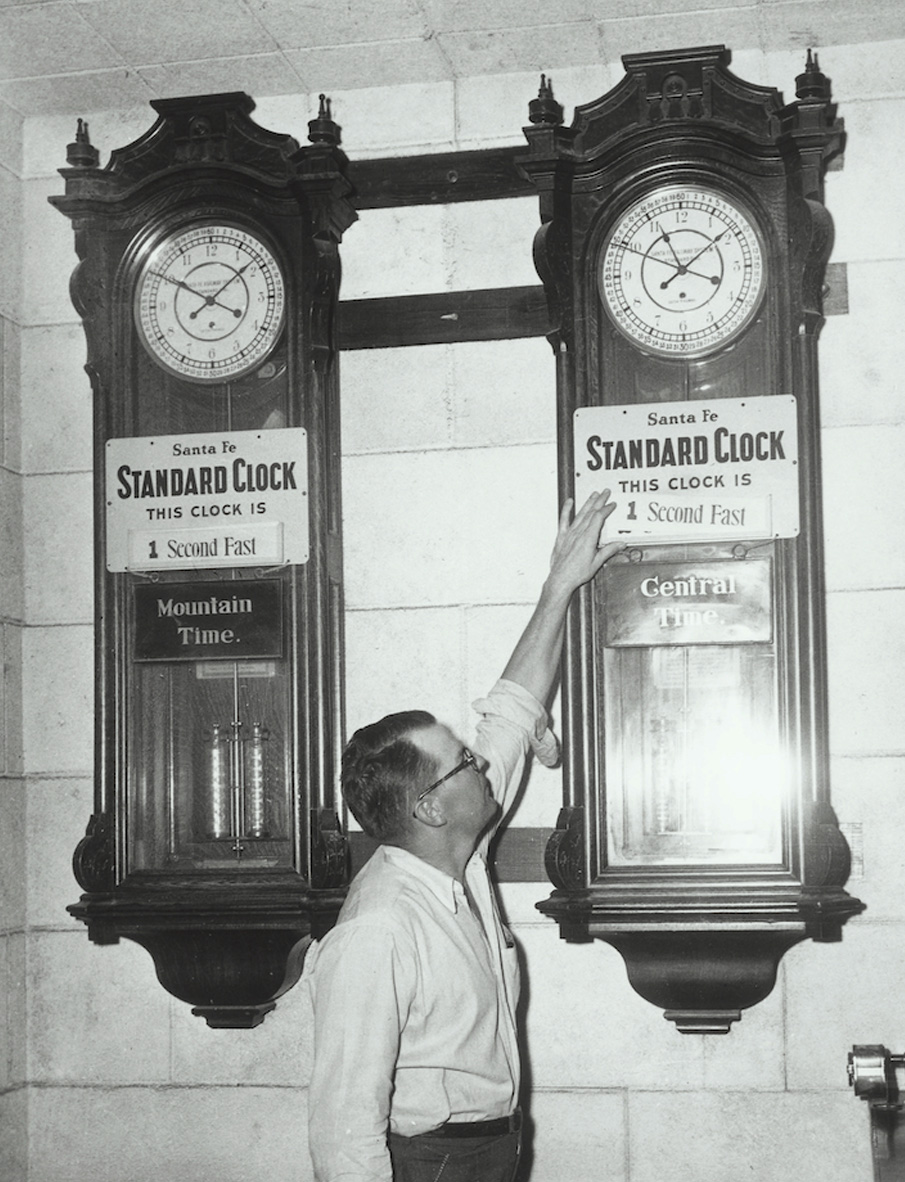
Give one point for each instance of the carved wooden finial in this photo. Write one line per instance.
(81, 153)
(545, 109)
(812, 84)
(323, 130)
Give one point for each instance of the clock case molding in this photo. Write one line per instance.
(703, 943)
(229, 943)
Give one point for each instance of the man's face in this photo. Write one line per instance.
(465, 798)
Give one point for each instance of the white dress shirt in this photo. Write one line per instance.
(414, 992)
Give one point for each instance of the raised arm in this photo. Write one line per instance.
(577, 557)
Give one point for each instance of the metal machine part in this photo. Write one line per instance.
(874, 1073)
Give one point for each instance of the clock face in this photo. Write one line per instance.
(209, 303)
(682, 271)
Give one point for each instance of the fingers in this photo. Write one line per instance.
(565, 514)
(595, 511)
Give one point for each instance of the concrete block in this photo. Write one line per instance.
(57, 814)
(655, 28)
(871, 71)
(13, 899)
(576, 1135)
(867, 658)
(11, 759)
(398, 251)
(12, 605)
(58, 696)
(490, 243)
(400, 120)
(17, 1002)
(503, 393)
(417, 58)
(443, 528)
(229, 1133)
(59, 529)
(97, 1014)
(53, 375)
(862, 356)
(863, 493)
(869, 792)
(11, 127)
(587, 1028)
(11, 234)
(397, 399)
(14, 1138)
(405, 660)
(47, 244)
(732, 1137)
(10, 396)
(873, 130)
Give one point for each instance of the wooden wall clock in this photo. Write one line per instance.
(207, 285)
(682, 249)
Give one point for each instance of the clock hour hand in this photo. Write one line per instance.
(666, 238)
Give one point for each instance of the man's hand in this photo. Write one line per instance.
(578, 553)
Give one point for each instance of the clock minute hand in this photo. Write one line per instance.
(178, 283)
(704, 249)
(644, 254)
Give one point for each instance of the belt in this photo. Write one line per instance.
(480, 1128)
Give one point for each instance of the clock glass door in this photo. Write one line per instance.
(690, 743)
(211, 783)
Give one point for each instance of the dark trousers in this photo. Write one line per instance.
(432, 1158)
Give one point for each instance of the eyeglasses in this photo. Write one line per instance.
(468, 760)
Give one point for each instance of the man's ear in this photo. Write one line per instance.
(429, 811)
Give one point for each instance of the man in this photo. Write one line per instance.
(416, 1070)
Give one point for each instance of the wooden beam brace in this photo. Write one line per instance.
(492, 314)
(438, 179)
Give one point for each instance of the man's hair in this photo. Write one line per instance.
(381, 767)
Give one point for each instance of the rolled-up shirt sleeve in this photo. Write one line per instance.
(512, 722)
(360, 983)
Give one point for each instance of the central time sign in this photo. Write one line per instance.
(233, 498)
(692, 471)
